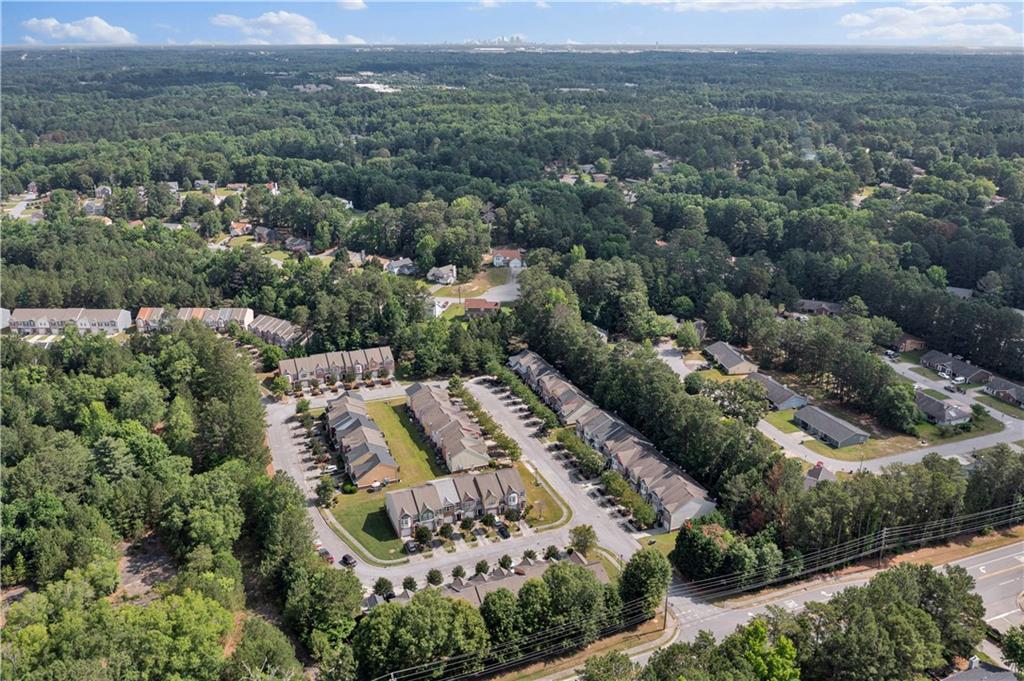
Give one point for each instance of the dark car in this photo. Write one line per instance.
(949, 388)
(326, 555)
(503, 531)
(412, 547)
(348, 561)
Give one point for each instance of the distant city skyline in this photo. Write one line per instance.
(839, 23)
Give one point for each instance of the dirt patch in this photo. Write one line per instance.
(236, 634)
(143, 565)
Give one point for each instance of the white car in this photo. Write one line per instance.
(943, 374)
(330, 469)
(959, 380)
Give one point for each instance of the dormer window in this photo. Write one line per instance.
(513, 499)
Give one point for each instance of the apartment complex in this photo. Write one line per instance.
(458, 439)
(276, 331)
(449, 500)
(360, 443)
(331, 367)
(675, 496)
(50, 321)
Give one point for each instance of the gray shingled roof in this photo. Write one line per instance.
(823, 422)
(725, 354)
(777, 392)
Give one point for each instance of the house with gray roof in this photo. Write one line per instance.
(955, 367)
(446, 274)
(401, 266)
(818, 473)
(781, 396)
(449, 500)
(830, 429)
(731, 360)
(52, 321)
(361, 445)
(941, 412)
(818, 307)
(1004, 390)
(458, 439)
(276, 331)
(981, 671)
(331, 367)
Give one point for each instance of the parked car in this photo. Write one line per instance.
(949, 387)
(943, 374)
(959, 380)
(503, 531)
(412, 547)
(348, 561)
(326, 555)
(331, 469)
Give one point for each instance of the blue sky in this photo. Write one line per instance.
(942, 23)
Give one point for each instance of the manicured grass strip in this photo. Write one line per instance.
(935, 393)
(999, 405)
(717, 375)
(547, 513)
(914, 356)
(454, 310)
(927, 373)
(413, 454)
(783, 420)
(664, 542)
(610, 563)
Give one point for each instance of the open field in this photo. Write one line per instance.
(999, 405)
(484, 280)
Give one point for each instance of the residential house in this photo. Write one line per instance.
(435, 308)
(731, 360)
(818, 307)
(565, 399)
(830, 429)
(908, 343)
(240, 229)
(276, 331)
(102, 192)
(273, 188)
(781, 396)
(446, 274)
(149, 319)
(265, 235)
(941, 412)
(960, 292)
(457, 437)
(508, 257)
(368, 460)
(236, 187)
(981, 671)
(449, 500)
(173, 187)
(478, 307)
(401, 266)
(474, 589)
(1004, 390)
(818, 473)
(955, 367)
(5, 318)
(331, 367)
(204, 184)
(219, 319)
(187, 314)
(93, 207)
(32, 188)
(52, 321)
(297, 245)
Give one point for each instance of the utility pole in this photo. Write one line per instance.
(881, 548)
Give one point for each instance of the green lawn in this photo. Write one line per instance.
(276, 255)
(999, 405)
(362, 514)
(715, 374)
(927, 373)
(239, 241)
(454, 310)
(607, 559)
(914, 356)
(546, 511)
(664, 541)
(937, 394)
(484, 280)
(365, 519)
(783, 420)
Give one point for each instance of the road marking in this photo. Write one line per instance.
(1005, 614)
(792, 605)
(826, 594)
(1009, 581)
(981, 569)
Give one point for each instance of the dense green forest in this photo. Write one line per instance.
(723, 187)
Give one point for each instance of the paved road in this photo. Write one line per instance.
(20, 207)
(610, 532)
(673, 357)
(998, 574)
(504, 293)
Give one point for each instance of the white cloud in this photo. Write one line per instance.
(542, 4)
(87, 30)
(935, 22)
(287, 28)
(740, 5)
(29, 40)
(352, 5)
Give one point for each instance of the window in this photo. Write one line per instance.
(406, 521)
(513, 499)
